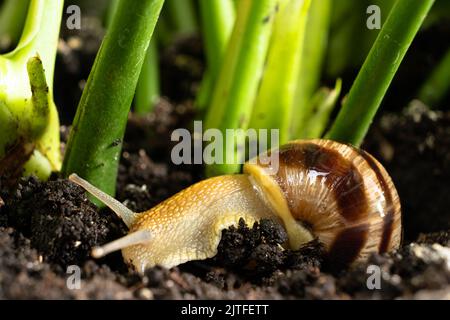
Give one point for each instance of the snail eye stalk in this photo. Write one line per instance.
(122, 211)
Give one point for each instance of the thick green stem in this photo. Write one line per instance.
(40, 102)
(438, 84)
(275, 100)
(236, 88)
(217, 24)
(40, 35)
(311, 61)
(12, 19)
(94, 146)
(322, 104)
(147, 90)
(29, 117)
(182, 15)
(42, 114)
(347, 23)
(111, 11)
(376, 74)
(204, 94)
(218, 19)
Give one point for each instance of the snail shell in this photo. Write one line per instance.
(341, 194)
(321, 189)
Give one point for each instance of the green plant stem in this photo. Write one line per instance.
(322, 104)
(274, 104)
(311, 61)
(33, 121)
(12, 20)
(40, 36)
(39, 98)
(147, 90)
(217, 24)
(438, 84)
(241, 69)
(182, 16)
(218, 19)
(376, 74)
(347, 23)
(111, 11)
(204, 94)
(94, 145)
(42, 107)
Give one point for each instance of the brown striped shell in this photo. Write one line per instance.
(337, 193)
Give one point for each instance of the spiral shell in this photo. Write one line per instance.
(340, 194)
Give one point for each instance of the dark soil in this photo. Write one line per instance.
(45, 227)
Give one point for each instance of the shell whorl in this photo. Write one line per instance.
(341, 194)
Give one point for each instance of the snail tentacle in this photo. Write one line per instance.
(120, 209)
(131, 239)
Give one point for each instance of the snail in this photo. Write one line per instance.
(322, 189)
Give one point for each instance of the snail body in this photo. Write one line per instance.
(319, 189)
